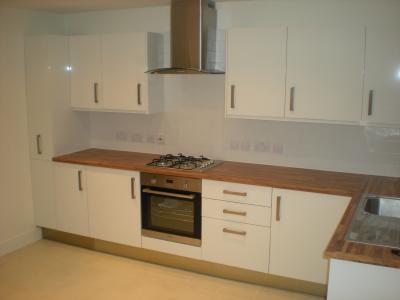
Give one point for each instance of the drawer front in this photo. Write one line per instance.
(236, 192)
(237, 212)
(234, 244)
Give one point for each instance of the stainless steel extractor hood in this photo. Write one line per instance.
(193, 38)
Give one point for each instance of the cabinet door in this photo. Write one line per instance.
(86, 82)
(300, 235)
(43, 193)
(382, 76)
(325, 73)
(235, 244)
(39, 108)
(256, 65)
(114, 206)
(71, 201)
(124, 67)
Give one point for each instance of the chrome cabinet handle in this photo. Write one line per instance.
(232, 96)
(227, 230)
(236, 213)
(292, 90)
(139, 94)
(38, 144)
(370, 102)
(278, 208)
(227, 192)
(80, 187)
(133, 188)
(96, 92)
(182, 196)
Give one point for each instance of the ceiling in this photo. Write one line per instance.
(65, 6)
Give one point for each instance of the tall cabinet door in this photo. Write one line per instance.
(38, 70)
(124, 67)
(86, 81)
(255, 75)
(325, 73)
(71, 201)
(43, 193)
(114, 206)
(382, 76)
(302, 224)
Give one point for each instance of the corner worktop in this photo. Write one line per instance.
(336, 183)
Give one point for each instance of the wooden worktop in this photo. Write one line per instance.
(336, 183)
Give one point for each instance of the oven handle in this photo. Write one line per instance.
(149, 191)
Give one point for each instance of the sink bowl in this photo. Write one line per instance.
(383, 206)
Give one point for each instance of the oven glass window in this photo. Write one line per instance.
(172, 215)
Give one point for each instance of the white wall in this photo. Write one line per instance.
(16, 208)
(194, 119)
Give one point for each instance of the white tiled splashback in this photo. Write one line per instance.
(194, 123)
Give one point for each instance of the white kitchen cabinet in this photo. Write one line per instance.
(108, 72)
(114, 205)
(382, 76)
(86, 77)
(255, 72)
(53, 128)
(325, 73)
(43, 193)
(71, 199)
(235, 244)
(301, 227)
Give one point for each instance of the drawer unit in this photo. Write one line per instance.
(235, 192)
(237, 212)
(235, 244)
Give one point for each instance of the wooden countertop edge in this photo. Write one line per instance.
(337, 248)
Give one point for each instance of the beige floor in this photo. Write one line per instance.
(49, 270)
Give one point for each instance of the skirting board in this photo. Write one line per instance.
(20, 241)
(188, 264)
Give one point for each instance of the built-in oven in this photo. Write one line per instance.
(171, 208)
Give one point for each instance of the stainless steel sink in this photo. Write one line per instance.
(376, 222)
(383, 206)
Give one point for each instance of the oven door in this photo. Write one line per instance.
(171, 215)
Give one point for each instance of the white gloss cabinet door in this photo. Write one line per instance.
(301, 227)
(235, 244)
(124, 67)
(38, 74)
(382, 76)
(71, 199)
(86, 77)
(43, 193)
(325, 73)
(255, 72)
(114, 206)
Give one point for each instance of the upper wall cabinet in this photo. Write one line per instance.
(325, 73)
(382, 76)
(255, 75)
(108, 72)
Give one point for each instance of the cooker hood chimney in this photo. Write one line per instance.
(193, 38)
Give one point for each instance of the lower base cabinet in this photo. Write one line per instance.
(301, 227)
(71, 199)
(236, 244)
(114, 205)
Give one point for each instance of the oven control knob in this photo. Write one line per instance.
(153, 181)
(185, 185)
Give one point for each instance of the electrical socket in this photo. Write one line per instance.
(262, 147)
(160, 139)
(245, 146)
(277, 148)
(150, 139)
(137, 138)
(234, 145)
(121, 136)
